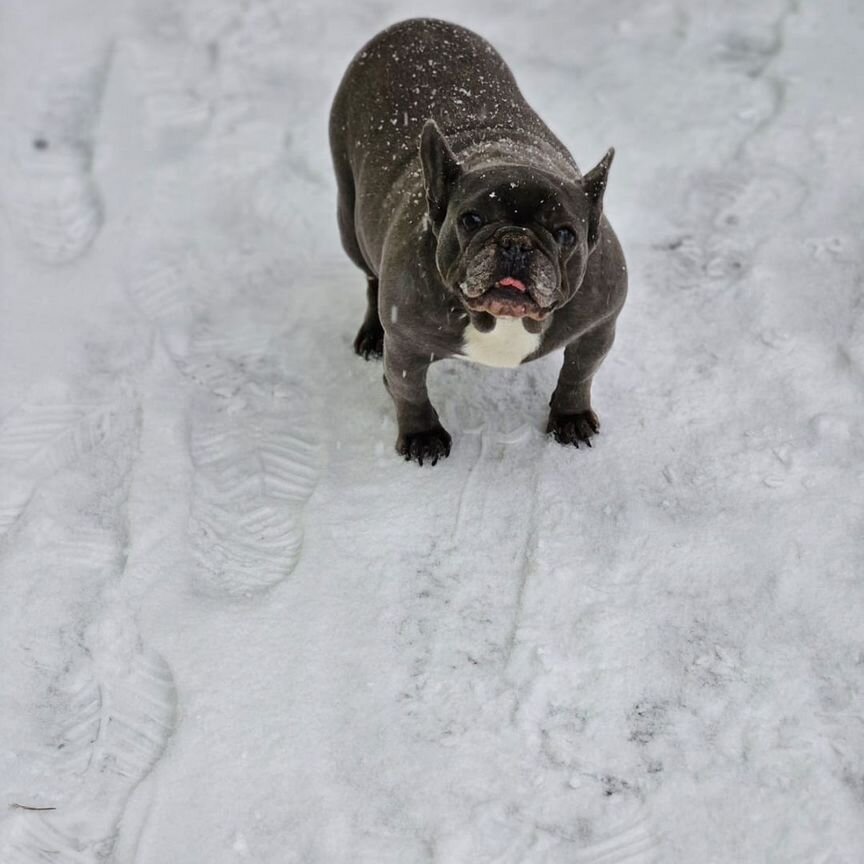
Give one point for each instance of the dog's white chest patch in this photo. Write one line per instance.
(508, 344)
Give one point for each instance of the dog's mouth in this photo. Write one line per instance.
(508, 298)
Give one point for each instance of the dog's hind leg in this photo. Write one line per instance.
(369, 342)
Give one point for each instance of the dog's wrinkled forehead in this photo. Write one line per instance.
(516, 194)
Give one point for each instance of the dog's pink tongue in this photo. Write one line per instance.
(510, 282)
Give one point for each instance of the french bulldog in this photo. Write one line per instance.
(479, 237)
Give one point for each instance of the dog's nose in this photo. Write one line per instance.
(516, 250)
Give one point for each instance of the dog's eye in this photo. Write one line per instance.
(471, 221)
(564, 237)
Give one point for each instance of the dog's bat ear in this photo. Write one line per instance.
(594, 184)
(440, 171)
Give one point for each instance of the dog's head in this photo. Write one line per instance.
(512, 240)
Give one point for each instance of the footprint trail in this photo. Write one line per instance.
(51, 197)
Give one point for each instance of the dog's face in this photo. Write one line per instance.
(512, 241)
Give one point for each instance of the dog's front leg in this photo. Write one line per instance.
(571, 418)
(421, 438)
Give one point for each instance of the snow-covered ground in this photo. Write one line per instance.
(236, 627)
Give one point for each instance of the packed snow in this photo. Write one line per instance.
(236, 627)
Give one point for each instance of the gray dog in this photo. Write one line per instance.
(478, 235)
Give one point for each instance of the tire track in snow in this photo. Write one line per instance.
(474, 437)
(459, 625)
(474, 619)
(52, 201)
(484, 506)
(635, 841)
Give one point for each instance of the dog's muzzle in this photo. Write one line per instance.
(511, 278)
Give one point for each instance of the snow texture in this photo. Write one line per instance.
(236, 627)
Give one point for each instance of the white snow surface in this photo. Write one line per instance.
(236, 627)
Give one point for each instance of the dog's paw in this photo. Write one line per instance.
(573, 428)
(428, 446)
(369, 343)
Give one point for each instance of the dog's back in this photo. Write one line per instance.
(413, 71)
